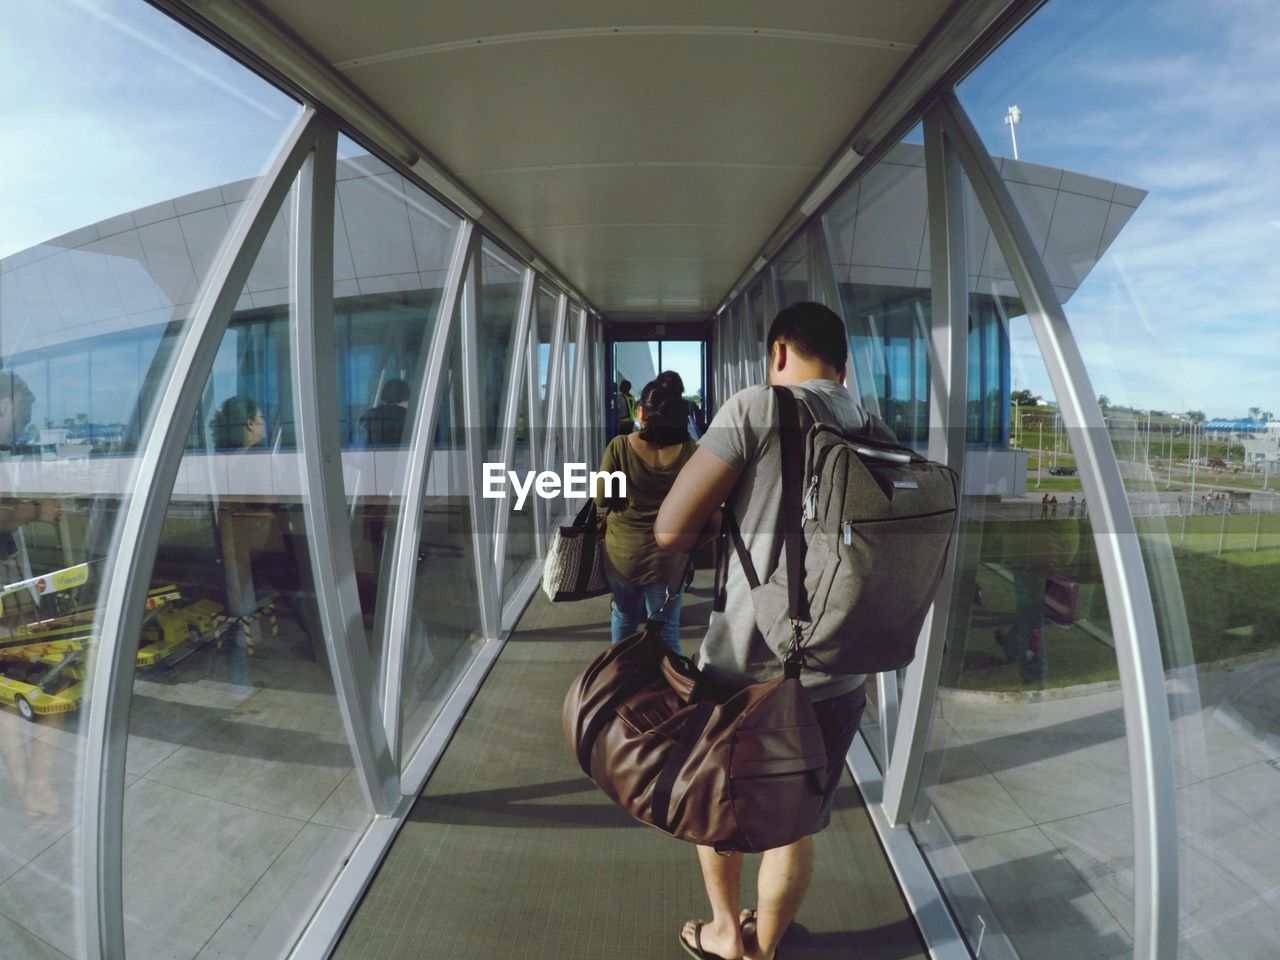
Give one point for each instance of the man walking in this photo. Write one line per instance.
(739, 462)
(626, 406)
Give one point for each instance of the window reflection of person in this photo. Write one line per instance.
(16, 401)
(383, 423)
(1032, 553)
(236, 427)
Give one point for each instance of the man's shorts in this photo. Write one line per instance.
(838, 717)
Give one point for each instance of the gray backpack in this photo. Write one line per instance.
(866, 524)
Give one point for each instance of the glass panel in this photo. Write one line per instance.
(444, 629)
(392, 245)
(879, 251)
(1027, 772)
(544, 328)
(129, 145)
(238, 759)
(520, 546)
(1161, 242)
(500, 279)
(758, 322)
(791, 271)
(685, 358)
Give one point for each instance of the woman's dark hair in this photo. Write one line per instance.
(666, 412)
(228, 424)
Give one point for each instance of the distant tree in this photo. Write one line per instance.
(1024, 398)
(1255, 413)
(1104, 401)
(1195, 416)
(1267, 415)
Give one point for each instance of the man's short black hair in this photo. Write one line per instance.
(813, 331)
(624, 386)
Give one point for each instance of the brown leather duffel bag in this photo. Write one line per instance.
(737, 770)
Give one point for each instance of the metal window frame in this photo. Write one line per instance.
(510, 413)
(905, 745)
(574, 418)
(475, 448)
(315, 393)
(408, 532)
(137, 539)
(553, 442)
(533, 422)
(1138, 656)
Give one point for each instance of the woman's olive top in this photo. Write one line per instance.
(630, 551)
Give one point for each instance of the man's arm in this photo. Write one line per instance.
(700, 487)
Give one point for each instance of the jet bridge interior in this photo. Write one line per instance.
(283, 681)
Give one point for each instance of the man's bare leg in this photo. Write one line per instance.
(784, 879)
(721, 875)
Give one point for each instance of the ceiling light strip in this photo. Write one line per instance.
(655, 30)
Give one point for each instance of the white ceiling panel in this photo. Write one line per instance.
(647, 151)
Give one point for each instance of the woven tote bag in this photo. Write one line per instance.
(574, 569)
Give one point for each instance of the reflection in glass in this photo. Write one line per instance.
(1027, 765)
(791, 271)
(237, 758)
(110, 228)
(1176, 326)
(392, 245)
(520, 546)
(444, 625)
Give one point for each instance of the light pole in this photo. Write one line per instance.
(1012, 119)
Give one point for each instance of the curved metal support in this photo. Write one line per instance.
(574, 419)
(138, 537)
(473, 418)
(949, 340)
(315, 397)
(1133, 622)
(533, 423)
(510, 414)
(554, 419)
(408, 533)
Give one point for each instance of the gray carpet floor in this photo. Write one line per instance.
(511, 852)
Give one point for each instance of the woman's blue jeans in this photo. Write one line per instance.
(634, 603)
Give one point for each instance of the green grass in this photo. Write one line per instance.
(1217, 593)
(1051, 485)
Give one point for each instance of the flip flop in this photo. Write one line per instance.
(695, 949)
(751, 921)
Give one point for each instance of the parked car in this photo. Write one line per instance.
(1062, 471)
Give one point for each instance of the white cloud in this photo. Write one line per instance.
(1183, 100)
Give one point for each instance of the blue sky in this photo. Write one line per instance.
(111, 106)
(1180, 99)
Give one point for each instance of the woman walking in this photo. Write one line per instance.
(640, 574)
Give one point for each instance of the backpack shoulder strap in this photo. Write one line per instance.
(790, 526)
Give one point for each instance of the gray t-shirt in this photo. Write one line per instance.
(745, 435)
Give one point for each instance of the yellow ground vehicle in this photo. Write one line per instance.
(42, 662)
(45, 683)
